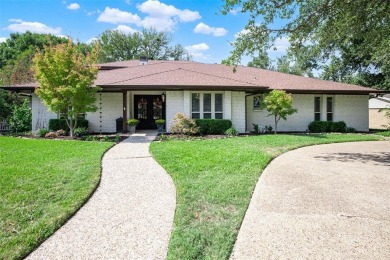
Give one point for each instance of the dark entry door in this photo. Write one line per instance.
(148, 108)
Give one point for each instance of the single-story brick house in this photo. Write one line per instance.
(148, 90)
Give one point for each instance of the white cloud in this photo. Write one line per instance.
(280, 45)
(235, 11)
(12, 20)
(91, 40)
(197, 50)
(73, 6)
(242, 32)
(125, 29)
(163, 24)
(63, 36)
(115, 16)
(158, 9)
(205, 29)
(22, 26)
(2, 39)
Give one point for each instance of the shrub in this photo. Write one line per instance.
(213, 126)
(231, 132)
(61, 132)
(51, 135)
(80, 131)
(327, 126)
(350, 130)
(20, 120)
(132, 122)
(184, 125)
(160, 122)
(256, 128)
(58, 124)
(41, 132)
(268, 129)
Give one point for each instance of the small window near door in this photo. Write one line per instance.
(317, 108)
(207, 105)
(257, 100)
(329, 109)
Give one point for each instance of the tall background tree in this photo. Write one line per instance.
(118, 46)
(348, 40)
(66, 76)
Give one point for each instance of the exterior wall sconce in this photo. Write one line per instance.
(163, 97)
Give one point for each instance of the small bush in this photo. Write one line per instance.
(41, 132)
(61, 132)
(160, 122)
(231, 132)
(51, 135)
(256, 128)
(58, 124)
(80, 131)
(132, 122)
(268, 129)
(182, 124)
(327, 126)
(350, 130)
(213, 126)
(20, 120)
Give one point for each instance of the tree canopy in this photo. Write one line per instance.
(348, 40)
(65, 76)
(118, 46)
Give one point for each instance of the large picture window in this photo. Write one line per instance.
(207, 105)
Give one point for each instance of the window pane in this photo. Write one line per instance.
(218, 115)
(195, 102)
(218, 103)
(257, 102)
(195, 115)
(207, 102)
(329, 116)
(206, 115)
(329, 104)
(317, 104)
(317, 117)
(142, 108)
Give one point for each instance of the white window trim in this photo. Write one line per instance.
(201, 103)
(320, 112)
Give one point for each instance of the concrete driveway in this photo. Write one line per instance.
(327, 201)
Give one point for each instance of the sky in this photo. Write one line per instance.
(198, 25)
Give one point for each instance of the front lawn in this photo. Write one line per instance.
(215, 179)
(42, 184)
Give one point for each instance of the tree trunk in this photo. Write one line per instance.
(276, 126)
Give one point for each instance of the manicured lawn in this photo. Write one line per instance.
(214, 181)
(384, 133)
(42, 184)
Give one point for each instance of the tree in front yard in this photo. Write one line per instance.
(279, 104)
(65, 76)
(20, 119)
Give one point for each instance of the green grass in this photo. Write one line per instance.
(215, 179)
(384, 133)
(42, 184)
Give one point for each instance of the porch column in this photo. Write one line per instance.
(124, 111)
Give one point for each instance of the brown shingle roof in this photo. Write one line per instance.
(194, 75)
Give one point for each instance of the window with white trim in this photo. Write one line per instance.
(207, 105)
(329, 109)
(317, 108)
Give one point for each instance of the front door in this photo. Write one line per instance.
(148, 108)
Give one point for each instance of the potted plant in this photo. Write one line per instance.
(132, 123)
(160, 125)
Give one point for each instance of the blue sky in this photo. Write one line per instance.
(196, 24)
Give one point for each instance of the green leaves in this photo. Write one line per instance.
(66, 75)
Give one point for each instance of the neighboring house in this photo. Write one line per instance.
(160, 89)
(378, 119)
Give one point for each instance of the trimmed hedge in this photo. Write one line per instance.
(327, 126)
(213, 126)
(57, 124)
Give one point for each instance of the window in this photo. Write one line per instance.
(257, 102)
(195, 105)
(317, 108)
(329, 109)
(207, 105)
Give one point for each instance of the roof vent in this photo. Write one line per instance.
(143, 60)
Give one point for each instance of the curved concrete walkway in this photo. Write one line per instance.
(130, 216)
(321, 202)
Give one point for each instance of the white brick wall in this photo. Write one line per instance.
(109, 108)
(40, 114)
(352, 109)
(238, 110)
(174, 102)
